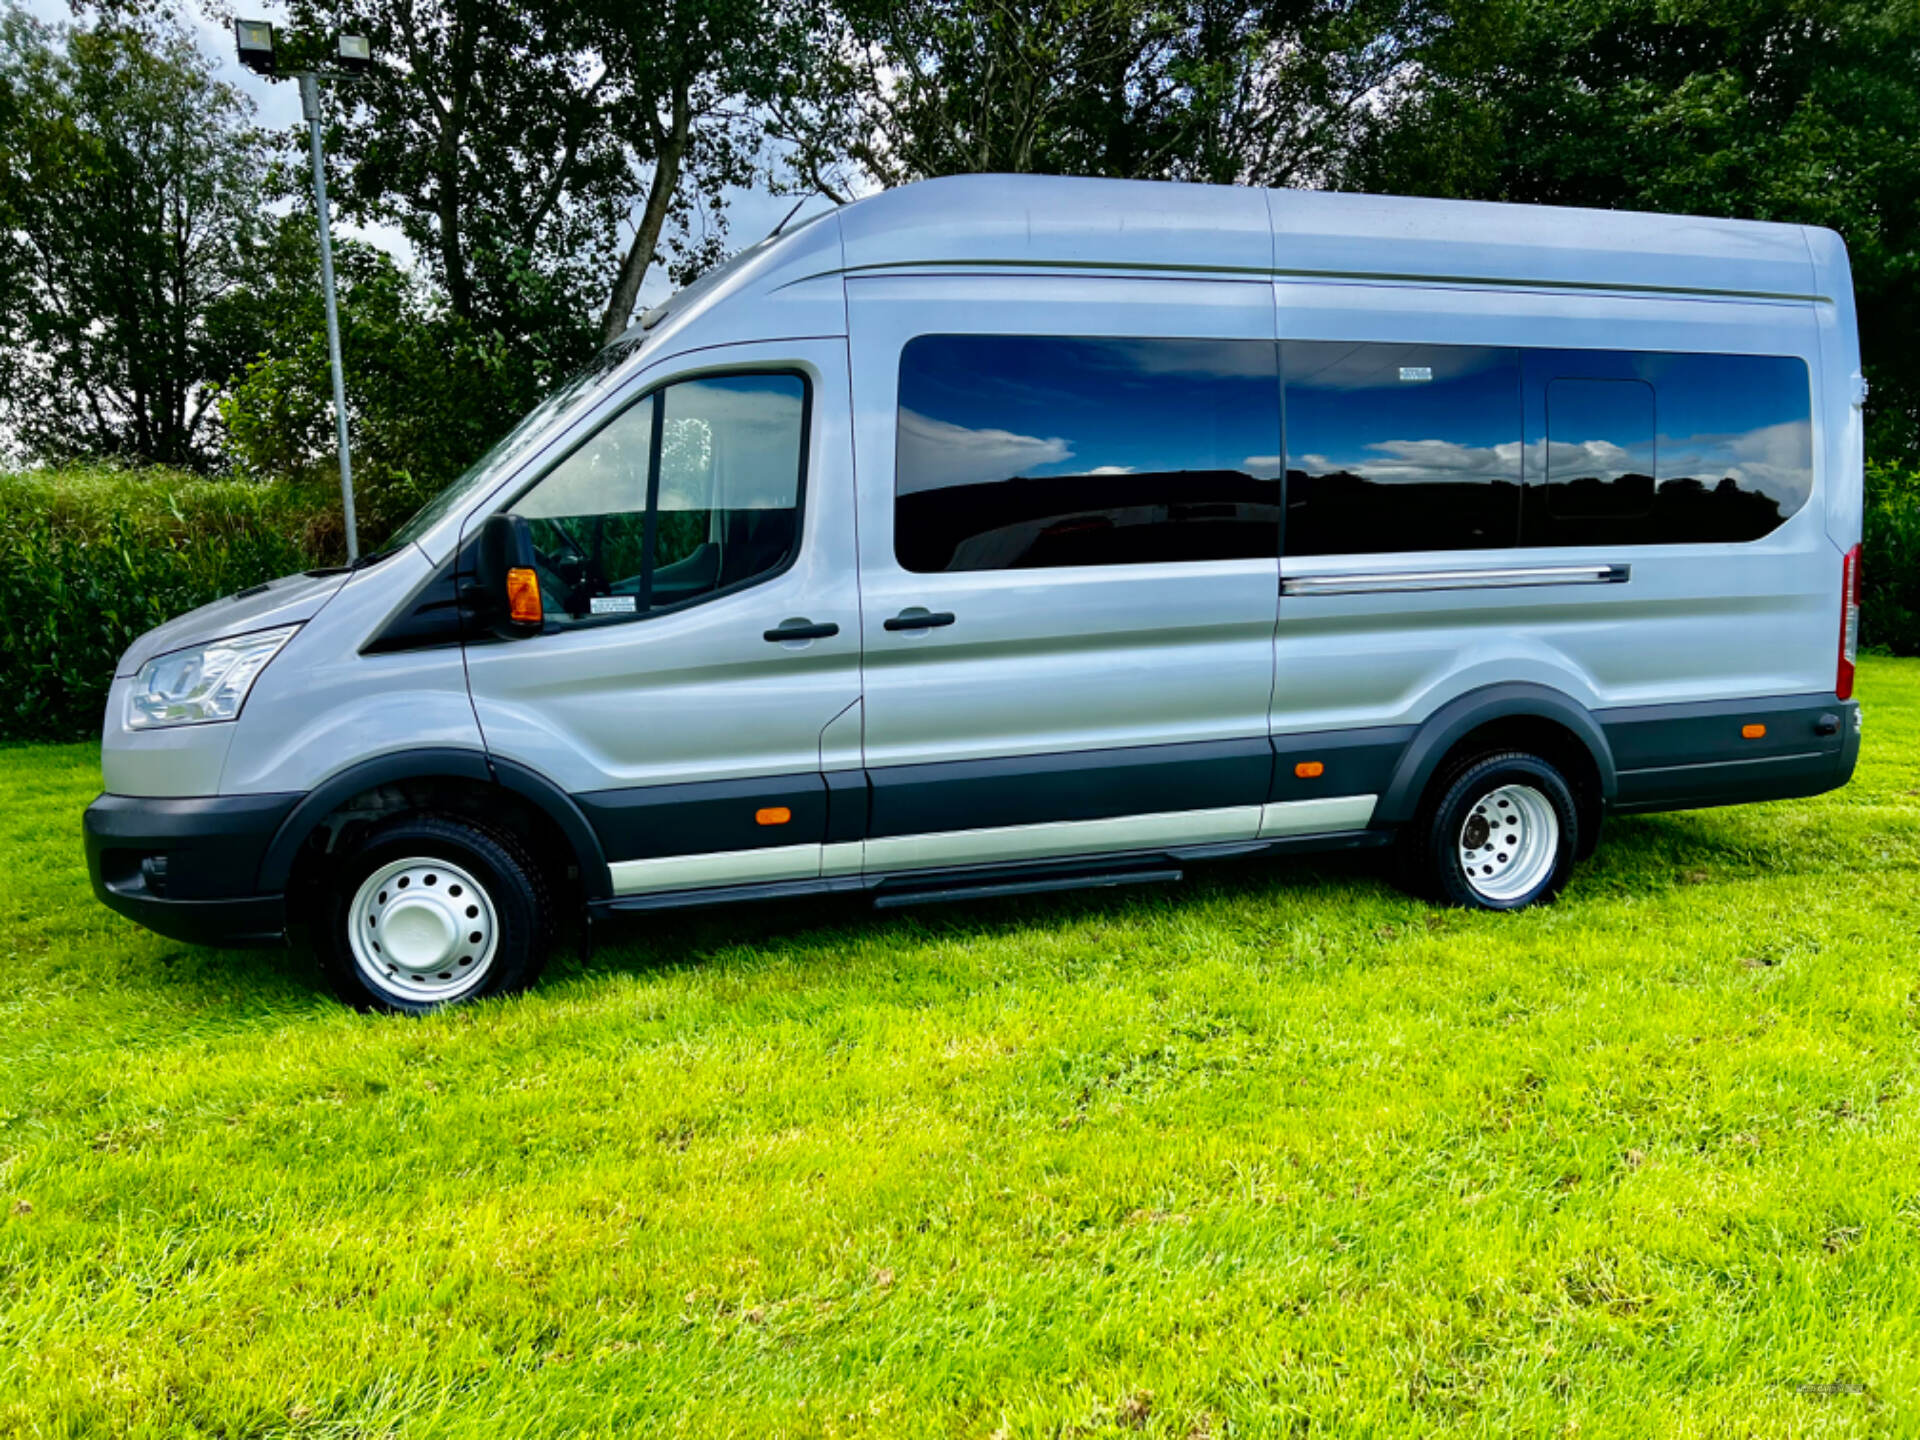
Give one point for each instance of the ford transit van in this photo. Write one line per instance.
(997, 534)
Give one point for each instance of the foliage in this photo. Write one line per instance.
(97, 557)
(1265, 94)
(510, 140)
(427, 391)
(1275, 1151)
(129, 186)
(482, 132)
(693, 82)
(1890, 561)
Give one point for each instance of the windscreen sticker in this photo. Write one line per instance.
(615, 605)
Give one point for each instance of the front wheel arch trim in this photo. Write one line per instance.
(439, 763)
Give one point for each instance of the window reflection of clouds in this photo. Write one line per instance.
(1723, 448)
(1348, 411)
(1774, 459)
(935, 454)
(1024, 451)
(1401, 447)
(980, 408)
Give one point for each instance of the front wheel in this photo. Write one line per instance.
(1501, 834)
(425, 911)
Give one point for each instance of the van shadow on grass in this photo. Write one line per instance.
(806, 930)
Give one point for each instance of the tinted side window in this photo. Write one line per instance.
(1401, 447)
(1725, 454)
(694, 490)
(1015, 452)
(1599, 449)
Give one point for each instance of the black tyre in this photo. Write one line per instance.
(1499, 833)
(424, 911)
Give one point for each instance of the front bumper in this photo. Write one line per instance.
(189, 868)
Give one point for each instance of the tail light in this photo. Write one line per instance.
(1849, 623)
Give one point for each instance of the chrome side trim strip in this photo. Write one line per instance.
(1493, 578)
(724, 867)
(1062, 838)
(996, 844)
(1316, 817)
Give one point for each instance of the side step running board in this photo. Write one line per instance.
(1040, 885)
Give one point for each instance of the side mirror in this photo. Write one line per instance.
(505, 596)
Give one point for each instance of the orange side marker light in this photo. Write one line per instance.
(523, 596)
(772, 815)
(1310, 769)
(1752, 732)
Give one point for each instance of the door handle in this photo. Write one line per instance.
(919, 620)
(802, 630)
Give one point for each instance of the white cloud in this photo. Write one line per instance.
(1595, 459)
(1111, 470)
(1777, 459)
(938, 453)
(1401, 461)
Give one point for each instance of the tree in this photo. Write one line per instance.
(426, 390)
(697, 82)
(1196, 90)
(483, 133)
(130, 187)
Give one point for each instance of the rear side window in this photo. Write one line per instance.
(1650, 448)
(694, 491)
(1018, 452)
(1599, 449)
(1401, 447)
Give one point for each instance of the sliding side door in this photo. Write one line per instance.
(1068, 527)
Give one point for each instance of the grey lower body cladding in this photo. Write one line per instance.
(1730, 752)
(1664, 757)
(199, 869)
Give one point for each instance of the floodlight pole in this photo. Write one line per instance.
(310, 104)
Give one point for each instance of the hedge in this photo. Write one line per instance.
(1890, 562)
(96, 556)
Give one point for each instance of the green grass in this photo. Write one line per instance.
(1274, 1152)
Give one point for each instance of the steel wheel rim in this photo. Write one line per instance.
(423, 930)
(1509, 843)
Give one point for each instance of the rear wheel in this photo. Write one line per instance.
(424, 912)
(1500, 833)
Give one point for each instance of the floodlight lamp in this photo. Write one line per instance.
(254, 40)
(355, 53)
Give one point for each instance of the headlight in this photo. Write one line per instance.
(208, 682)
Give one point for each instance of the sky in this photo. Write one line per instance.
(752, 213)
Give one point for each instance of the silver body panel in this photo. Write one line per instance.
(322, 705)
(287, 601)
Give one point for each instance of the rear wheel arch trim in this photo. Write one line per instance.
(438, 763)
(1461, 716)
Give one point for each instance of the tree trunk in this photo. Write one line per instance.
(669, 153)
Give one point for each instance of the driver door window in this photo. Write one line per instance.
(692, 492)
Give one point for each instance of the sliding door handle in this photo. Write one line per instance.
(802, 630)
(918, 619)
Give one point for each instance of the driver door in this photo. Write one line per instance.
(695, 558)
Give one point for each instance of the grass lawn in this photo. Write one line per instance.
(1277, 1151)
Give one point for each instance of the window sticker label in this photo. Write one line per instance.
(1416, 372)
(615, 605)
